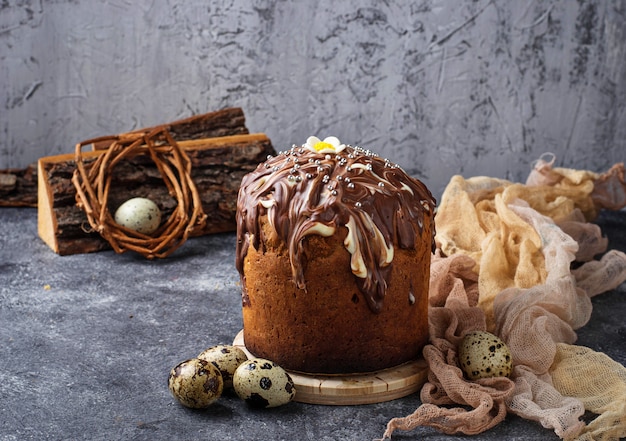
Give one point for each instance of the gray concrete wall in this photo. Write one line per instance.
(440, 87)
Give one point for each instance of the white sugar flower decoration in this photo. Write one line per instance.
(328, 145)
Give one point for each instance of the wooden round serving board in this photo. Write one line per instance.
(352, 389)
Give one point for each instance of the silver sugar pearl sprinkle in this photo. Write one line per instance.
(348, 168)
(309, 176)
(298, 179)
(334, 193)
(381, 184)
(269, 156)
(357, 204)
(327, 157)
(350, 185)
(339, 178)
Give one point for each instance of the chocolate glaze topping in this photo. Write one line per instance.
(304, 192)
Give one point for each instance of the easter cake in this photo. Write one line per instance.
(333, 249)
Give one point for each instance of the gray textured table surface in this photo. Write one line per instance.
(87, 341)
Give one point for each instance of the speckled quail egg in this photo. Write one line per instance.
(226, 358)
(484, 355)
(196, 383)
(139, 214)
(262, 383)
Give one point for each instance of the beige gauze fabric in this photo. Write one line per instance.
(503, 264)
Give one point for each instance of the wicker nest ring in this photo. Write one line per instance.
(92, 179)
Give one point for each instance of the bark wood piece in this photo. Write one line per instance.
(18, 187)
(226, 122)
(218, 165)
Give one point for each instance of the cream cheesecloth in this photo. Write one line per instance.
(504, 264)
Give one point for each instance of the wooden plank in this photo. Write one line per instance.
(355, 389)
(218, 165)
(18, 187)
(226, 122)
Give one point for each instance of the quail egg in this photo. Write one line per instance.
(262, 383)
(139, 214)
(484, 355)
(226, 358)
(196, 383)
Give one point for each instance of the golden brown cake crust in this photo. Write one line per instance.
(329, 328)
